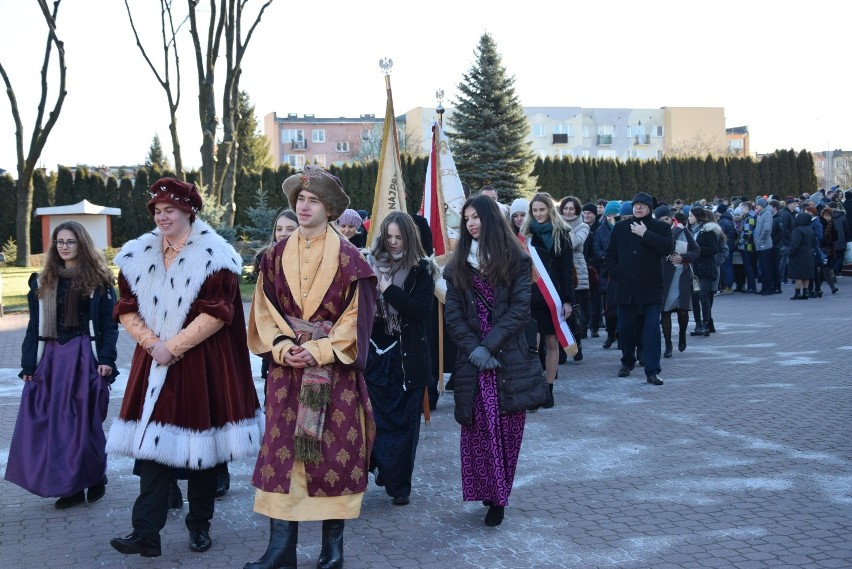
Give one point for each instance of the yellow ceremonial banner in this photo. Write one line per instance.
(390, 187)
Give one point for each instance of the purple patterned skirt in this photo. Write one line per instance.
(491, 444)
(58, 447)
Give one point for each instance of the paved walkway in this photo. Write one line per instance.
(742, 459)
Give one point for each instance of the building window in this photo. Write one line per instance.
(607, 154)
(657, 131)
(564, 153)
(606, 132)
(736, 144)
(297, 161)
(587, 131)
(343, 146)
(367, 134)
(319, 159)
(638, 154)
(636, 130)
(538, 130)
(318, 135)
(567, 129)
(292, 134)
(659, 154)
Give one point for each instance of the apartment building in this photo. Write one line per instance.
(618, 133)
(297, 141)
(833, 168)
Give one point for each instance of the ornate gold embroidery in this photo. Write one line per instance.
(320, 494)
(289, 415)
(338, 416)
(264, 450)
(352, 435)
(357, 474)
(267, 472)
(347, 396)
(281, 394)
(274, 432)
(332, 309)
(343, 456)
(331, 477)
(344, 261)
(283, 454)
(277, 373)
(346, 492)
(328, 437)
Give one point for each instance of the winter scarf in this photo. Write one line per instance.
(544, 232)
(72, 303)
(392, 266)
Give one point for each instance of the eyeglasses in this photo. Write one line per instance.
(62, 244)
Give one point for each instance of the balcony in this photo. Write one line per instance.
(604, 139)
(643, 139)
(560, 139)
(300, 145)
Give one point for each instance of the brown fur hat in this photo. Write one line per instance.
(325, 185)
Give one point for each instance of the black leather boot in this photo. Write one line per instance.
(331, 555)
(711, 327)
(548, 402)
(281, 551)
(668, 352)
(681, 341)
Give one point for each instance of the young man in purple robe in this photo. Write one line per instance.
(310, 318)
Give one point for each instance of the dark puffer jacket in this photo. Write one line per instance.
(801, 265)
(520, 378)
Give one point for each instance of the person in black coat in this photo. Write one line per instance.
(546, 231)
(399, 364)
(637, 250)
(498, 376)
(801, 264)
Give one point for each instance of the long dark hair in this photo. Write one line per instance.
(94, 272)
(500, 251)
(413, 247)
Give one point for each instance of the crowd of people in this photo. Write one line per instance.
(345, 330)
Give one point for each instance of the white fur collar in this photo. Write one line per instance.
(164, 297)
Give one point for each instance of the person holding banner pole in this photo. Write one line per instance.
(398, 362)
(548, 238)
(497, 376)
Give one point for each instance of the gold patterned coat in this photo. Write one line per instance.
(324, 279)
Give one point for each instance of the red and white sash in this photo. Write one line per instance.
(551, 297)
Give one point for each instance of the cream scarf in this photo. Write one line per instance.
(391, 266)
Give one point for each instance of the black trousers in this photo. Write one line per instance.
(152, 505)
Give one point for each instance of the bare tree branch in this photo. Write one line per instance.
(169, 44)
(26, 165)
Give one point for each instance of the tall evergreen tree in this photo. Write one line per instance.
(156, 157)
(64, 186)
(254, 146)
(489, 144)
(807, 175)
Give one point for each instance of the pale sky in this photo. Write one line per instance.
(780, 68)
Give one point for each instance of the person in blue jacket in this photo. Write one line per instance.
(68, 355)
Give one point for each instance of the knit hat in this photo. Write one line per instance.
(662, 211)
(520, 205)
(721, 208)
(362, 213)
(590, 207)
(325, 185)
(686, 209)
(761, 202)
(182, 195)
(349, 217)
(626, 208)
(789, 199)
(612, 208)
(646, 199)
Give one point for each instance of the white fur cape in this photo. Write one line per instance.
(164, 299)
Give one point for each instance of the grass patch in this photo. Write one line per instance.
(15, 287)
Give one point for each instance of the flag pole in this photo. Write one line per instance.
(439, 94)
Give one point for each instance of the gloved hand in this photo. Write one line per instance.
(479, 357)
(492, 363)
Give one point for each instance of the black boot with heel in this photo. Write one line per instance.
(281, 551)
(331, 555)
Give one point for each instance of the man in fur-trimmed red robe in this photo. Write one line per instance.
(190, 404)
